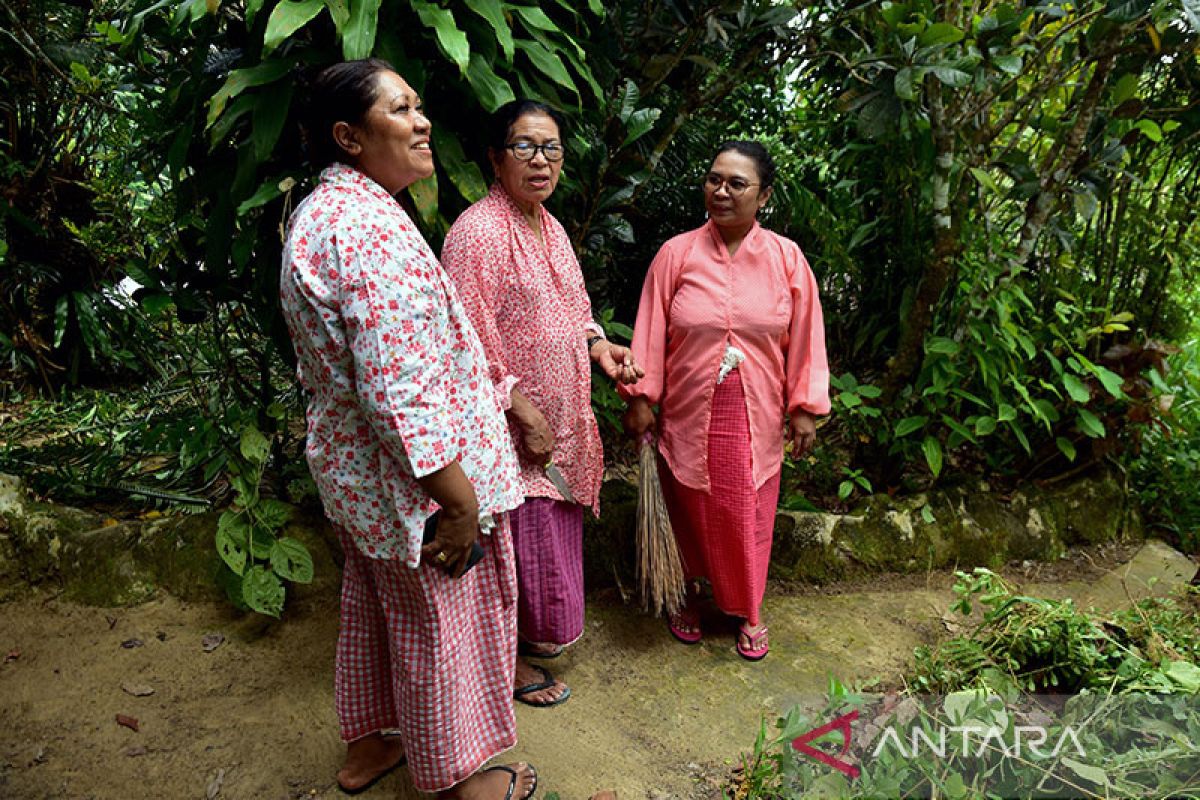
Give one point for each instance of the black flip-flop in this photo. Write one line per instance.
(546, 683)
(512, 783)
(359, 790)
(524, 648)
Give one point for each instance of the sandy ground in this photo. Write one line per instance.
(252, 716)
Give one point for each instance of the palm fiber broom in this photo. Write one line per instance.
(659, 569)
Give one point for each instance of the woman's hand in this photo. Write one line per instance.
(537, 440)
(803, 432)
(638, 419)
(458, 521)
(451, 545)
(616, 361)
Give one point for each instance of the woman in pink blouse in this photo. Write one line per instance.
(520, 282)
(402, 423)
(730, 333)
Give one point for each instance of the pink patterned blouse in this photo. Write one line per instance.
(529, 304)
(397, 378)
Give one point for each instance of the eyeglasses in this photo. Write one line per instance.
(525, 151)
(735, 186)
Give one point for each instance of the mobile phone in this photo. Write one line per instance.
(431, 530)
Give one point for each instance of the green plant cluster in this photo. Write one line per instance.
(1128, 690)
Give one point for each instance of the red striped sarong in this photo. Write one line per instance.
(548, 540)
(726, 536)
(431, 656)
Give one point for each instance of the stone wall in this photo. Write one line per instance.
(105, 562)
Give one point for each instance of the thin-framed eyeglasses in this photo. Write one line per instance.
(525, 151)
(735, 186)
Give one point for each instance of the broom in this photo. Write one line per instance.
(660, 572)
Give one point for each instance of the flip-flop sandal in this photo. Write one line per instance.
(760, 645)
(546, 683)
(512, 782)
(360, 789)
(526, 649)
(679, 623)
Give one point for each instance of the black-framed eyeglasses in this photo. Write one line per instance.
(525, 151)
(735, 186)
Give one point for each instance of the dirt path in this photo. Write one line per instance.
(253, 717)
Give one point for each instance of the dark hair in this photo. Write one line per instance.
(502, 120)
(341, 92)
(763, 163)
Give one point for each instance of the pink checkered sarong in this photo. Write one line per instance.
(431, 656)
(726, 536)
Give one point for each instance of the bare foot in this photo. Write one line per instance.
(541, 649)
(607, 794)
(493, 783)
(527, 675)
(368, 759)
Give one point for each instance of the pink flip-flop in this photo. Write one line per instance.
(684, 625)
(759, 644)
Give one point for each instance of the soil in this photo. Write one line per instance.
(176, 700)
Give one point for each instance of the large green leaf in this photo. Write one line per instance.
(451, 40)
(358, 35)
(263, 591)
(640, 123)
(492, 11)
(339, 11)
(932, 449)
(1090, 424)
(270, 114)
(549, 64)
(287, 18)
(424, 194)
(490, 89)
(463, 173)
(909, 424)
(905, 83)
(291, 560)
(950, 76)
(939, 33)
(254, 446)
(1076, 388)
(242, 79)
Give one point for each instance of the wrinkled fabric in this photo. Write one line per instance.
(725, 535)
(397, 377)
(548, 540)
(529, 304)
(695, 301)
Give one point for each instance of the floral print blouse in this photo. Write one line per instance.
(528, 301)
(397, 378)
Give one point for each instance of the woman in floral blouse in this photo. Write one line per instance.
(521, 284)
(402, 422)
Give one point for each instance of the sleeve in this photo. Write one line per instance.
(651, 328)
(396, 326)
(477, 279)
(807, 370)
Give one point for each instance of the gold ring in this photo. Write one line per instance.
(441, 557)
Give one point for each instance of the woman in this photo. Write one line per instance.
(730, 333)
(521, 284)
(402, 423)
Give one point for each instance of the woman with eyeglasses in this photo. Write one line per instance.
(730, 333)
(522, 287)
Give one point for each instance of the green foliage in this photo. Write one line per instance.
(1129, 732)
(1039, 645)
(1165, 470)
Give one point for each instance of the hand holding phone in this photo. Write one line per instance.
(441, 552)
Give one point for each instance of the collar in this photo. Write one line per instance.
(344, 175)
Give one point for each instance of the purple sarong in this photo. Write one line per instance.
(548, 540)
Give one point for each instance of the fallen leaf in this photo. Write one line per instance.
(126, 721)
(135, 751)
(161, 636)
(152, 514)
(212, 641)
(137, 689)
(13, 655)
(110, 523)
(214, 785)
(129, 644)
(112, 621)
